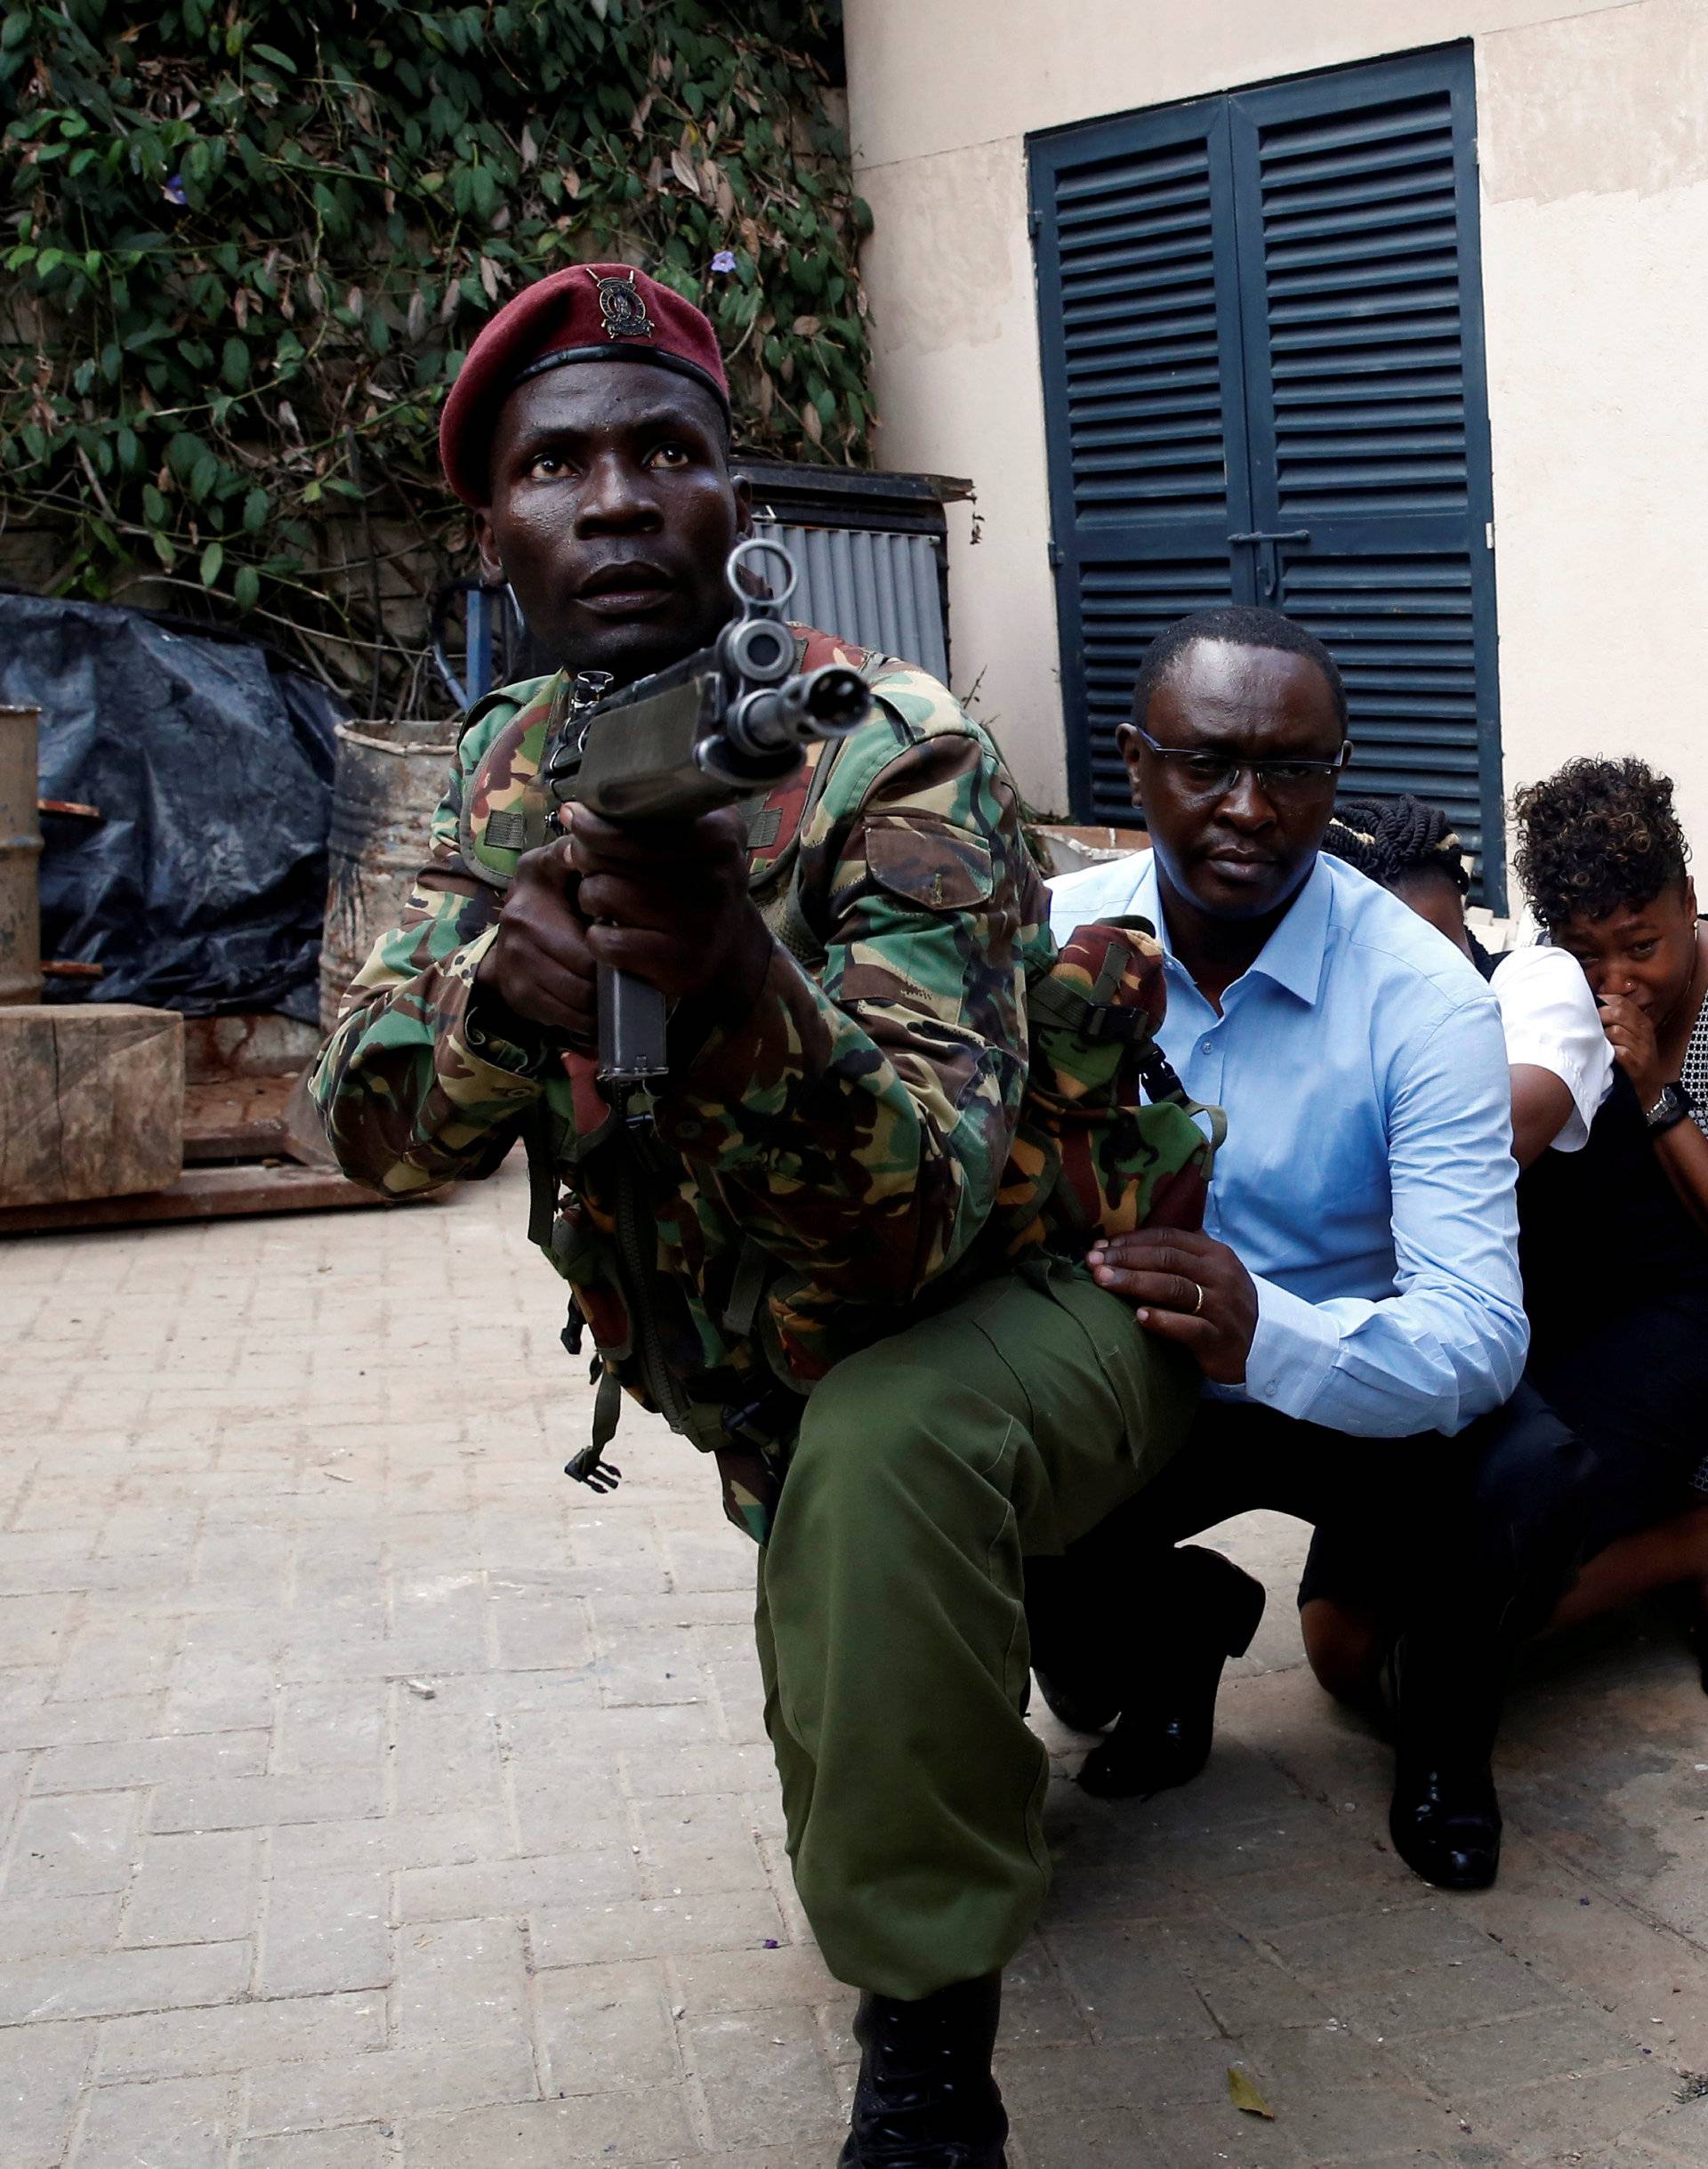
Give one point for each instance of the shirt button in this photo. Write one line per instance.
(1206, 1048)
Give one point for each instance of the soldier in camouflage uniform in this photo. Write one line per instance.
(789, 1269)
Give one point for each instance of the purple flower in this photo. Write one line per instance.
(174, 191)
(724, 261)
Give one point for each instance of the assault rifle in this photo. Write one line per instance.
(726, 724)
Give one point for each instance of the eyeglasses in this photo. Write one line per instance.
(1210, 773)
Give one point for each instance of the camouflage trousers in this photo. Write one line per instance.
(891, 1617)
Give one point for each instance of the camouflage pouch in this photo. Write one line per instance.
(1108, 1140)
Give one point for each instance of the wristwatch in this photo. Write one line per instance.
(1675, 1102)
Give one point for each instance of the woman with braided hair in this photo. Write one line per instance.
(1607, 1036)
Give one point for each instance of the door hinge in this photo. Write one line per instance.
(1488, 534)
(1034, 224)
(1055, 557)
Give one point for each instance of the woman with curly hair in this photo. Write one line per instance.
(1607, 1038)
(1624, 1354)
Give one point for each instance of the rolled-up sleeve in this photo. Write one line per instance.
(1450, 1342)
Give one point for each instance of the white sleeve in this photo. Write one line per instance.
(1551, 1022)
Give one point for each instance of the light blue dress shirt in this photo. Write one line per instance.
(1367, 1180)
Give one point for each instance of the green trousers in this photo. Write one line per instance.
(891, 1619)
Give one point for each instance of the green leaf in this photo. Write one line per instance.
(212, 558)
(256, 507)
(234, 364)
(154, 506)
(203, 476)
(246, 587)
(130, 450)
(1245, 2095)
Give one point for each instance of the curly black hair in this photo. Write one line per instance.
(1597, 834)
(1396, 839)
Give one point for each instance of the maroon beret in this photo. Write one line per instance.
(589, 312)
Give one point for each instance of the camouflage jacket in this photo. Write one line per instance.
(816, 1171)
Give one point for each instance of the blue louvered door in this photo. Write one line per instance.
(1308, 371)
(1149, 466)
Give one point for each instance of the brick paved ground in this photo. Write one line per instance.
(373, 1797)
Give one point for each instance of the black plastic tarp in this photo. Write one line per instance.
(203, 887)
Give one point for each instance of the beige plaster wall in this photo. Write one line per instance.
(1593, 140)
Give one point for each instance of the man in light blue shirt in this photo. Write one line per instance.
(1354, 1299)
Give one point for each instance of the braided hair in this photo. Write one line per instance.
(1395, 840)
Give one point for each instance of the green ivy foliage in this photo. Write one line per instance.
(251, 240)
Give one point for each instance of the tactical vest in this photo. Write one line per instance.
(1106, 1139)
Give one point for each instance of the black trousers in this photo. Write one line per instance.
(1472, 1538)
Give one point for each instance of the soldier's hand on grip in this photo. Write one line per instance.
(540, 965)
(668, 902)
(1188, 1287)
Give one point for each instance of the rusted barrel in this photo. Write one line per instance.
(389, 777)
(20, 857)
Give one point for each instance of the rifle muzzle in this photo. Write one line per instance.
(827, 702)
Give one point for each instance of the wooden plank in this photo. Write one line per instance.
(210, 1193)
(237, 1119)
(92, 1100)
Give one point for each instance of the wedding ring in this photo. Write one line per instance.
(1199, 1304)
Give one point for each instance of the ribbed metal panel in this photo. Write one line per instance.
(875, 590)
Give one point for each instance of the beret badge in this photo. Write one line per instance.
(621, 310)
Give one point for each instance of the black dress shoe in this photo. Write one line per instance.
(1168, 1713)
(925, 2098)
(1446, 1824)
(1445, 1818)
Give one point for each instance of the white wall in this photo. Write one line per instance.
(1593, 142)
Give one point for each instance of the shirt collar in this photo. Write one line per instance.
(1293, 954)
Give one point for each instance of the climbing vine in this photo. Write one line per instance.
(250, 241)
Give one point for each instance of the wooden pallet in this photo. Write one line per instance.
(243, 1153)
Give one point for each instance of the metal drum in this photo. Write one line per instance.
(20, 857)
(390, 778)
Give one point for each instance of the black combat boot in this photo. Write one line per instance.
(926, 2099)
(1446, 1815)
(1168, 1711)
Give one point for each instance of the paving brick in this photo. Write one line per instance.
(50, 1927)
(764, 2075)
(390, 2084)
(239, 2036)
(330, 1725)
(602, 2128)
(594, 1935)
(183, 1757)
(124, 1656)
(1493, 1985)
(356, 2146)
(756, 1980)
(252, 1804)
(33, 1629)
(607, 2026)
(320, 1934)
(593, 1877)
(702, 1841)
(460, 1981)
(35, 1722)
(1510, 2052)
(195, 1888)
(41, 2073)
(179, 2123)
(103, 1983)
(376, 1842)
(72, 1845)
